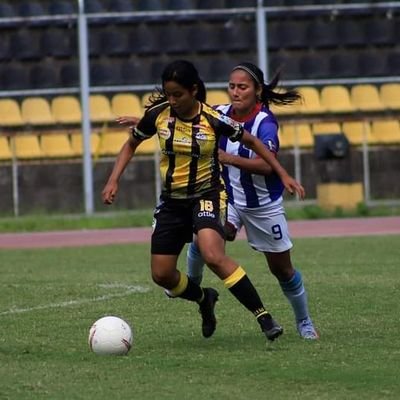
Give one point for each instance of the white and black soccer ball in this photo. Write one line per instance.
(110, 335)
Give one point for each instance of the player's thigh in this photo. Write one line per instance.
(265, 232)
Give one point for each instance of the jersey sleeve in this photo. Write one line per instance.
(268, 134)
(225, 126)
(146, 128)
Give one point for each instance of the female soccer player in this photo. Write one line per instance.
(255, 190)
(192, 197)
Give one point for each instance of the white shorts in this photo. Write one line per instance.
(266, 229)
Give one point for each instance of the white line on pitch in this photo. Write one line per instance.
(129, 290)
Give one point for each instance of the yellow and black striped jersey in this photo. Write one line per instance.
(189, 149)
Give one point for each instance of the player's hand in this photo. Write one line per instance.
(223, 156)
(109, 192)
(292, 186)
(131, 122)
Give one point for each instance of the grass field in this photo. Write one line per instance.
(49, 299)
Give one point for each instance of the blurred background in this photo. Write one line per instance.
(68, 68)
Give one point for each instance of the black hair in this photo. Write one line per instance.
(185, 74)
(269, 94)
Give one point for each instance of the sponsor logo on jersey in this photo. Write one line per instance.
(164, 133)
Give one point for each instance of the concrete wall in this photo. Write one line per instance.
(57, 186)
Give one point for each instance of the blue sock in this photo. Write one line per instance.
(296, 294)
(195, 263)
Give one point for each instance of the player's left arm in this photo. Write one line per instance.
(268, 134)
(250, 165)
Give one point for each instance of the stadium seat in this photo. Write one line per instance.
(311, 103)
(298, 134)
(344, 64)
(390, 95)
(122, 6)
(57, 42)
(27, 146)
(373, 64)
(350, 33)
(114, 43)
(148, 146)
(315, 66)
(66, 110)
(24, 45)
(289, 65)
(143, 40)
(69, 75)
(150, 5)
(104, 73)
(44, 76)
(393, 64)
(292, 34)
(145, 98)
(365, 97)
(15, 77)
(31, 9)
(112, 141)
(206, 37)
(380, 31)
(386, 131)
(77, 143)
(5, 150)
(56, 145)
(321, 33)
(36, 111)
(135, 72)
(62, 7)
(239, 35)
(173, 38)
(181, 5)
(5, 53)
(10, 114)
(100, 109)
(336, 98)
(216, 97)
(323, 128)
(356, 131)
(126, 104)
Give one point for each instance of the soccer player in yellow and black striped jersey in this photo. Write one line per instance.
(193, 194)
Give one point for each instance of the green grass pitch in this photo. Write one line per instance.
(49, 298)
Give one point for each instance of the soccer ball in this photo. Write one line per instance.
(110, 335)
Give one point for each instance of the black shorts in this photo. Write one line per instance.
(175, 221)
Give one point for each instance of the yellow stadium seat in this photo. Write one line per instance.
(321, 128)
(296, 134)
(66, 110)
(125, 104)
(10, 113)
(336, 98)
(149, 146)
(27, 146)
(390, 95)
(5, 150)
(56, 145)
(100, 109)
(145, 98)
(311, 103)
(365, 97)
(216, 97)
(77, 143)
(36, 111)
(386, 131)
(355, 132)
(111, 142)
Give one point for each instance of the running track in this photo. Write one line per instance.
(314, 228)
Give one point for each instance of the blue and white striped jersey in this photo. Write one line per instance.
(245, 189)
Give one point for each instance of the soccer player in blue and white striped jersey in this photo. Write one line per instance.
(255, 191)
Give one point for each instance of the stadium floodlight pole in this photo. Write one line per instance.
(262, 53)
(84, 90)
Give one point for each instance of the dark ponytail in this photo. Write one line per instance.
(269, 94)
(185, 74)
